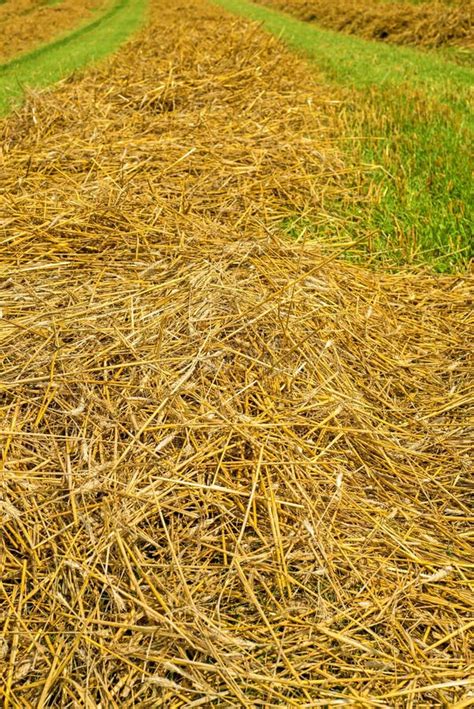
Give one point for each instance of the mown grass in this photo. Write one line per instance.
(88, 43)
(413, 113)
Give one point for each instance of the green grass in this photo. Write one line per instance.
(88, 43)
(414, 112)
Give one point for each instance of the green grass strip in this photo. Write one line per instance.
(414, 111)
(89, 43)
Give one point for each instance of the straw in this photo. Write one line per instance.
(25, 24)
(235, 465)
(428, 24)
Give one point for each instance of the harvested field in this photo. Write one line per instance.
(26, 24)
(235, 467)
(430, 24)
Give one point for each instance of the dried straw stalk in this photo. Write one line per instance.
(429, 24)
(234, 467)
(25, 24)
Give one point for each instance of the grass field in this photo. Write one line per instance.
(235, 412)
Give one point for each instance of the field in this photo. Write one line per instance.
(236, 386)
(67, 53)
(405, 116)
(26, 24)
(425, 24)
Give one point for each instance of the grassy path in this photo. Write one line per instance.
(413, 112)
(53, 61)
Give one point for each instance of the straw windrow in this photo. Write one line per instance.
(235, 468)
(427, 24)
(26, 24)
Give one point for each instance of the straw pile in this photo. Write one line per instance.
(25, 24)
(430, 24)
(235, 468)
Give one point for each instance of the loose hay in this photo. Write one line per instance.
(430, 24)
(25, 24)
(235, 468)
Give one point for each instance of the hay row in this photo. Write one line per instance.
(26, 24)
(430, 24)
(234, 467)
